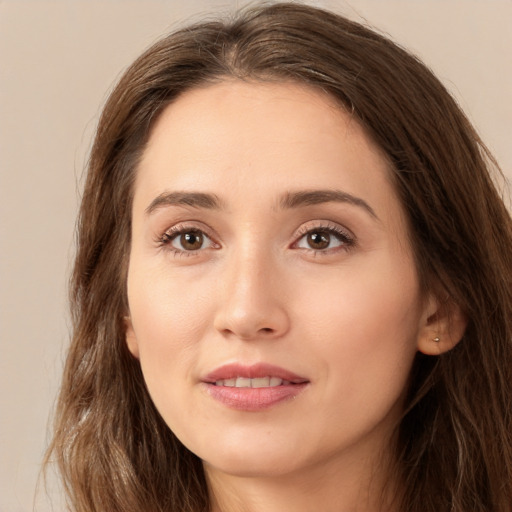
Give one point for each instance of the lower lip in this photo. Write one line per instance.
(254, 399)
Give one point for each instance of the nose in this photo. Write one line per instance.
(253, 301)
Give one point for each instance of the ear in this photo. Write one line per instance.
(131, 339)
(442, 326)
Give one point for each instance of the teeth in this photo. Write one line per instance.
(259, 382)
(263, 382)
(275, 381)
(242, 382)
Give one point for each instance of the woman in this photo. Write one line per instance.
(292, 288)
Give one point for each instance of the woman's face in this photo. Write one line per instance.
(274, 303)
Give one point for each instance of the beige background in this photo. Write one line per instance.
(58, 59)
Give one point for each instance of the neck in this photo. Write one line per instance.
(357, 486)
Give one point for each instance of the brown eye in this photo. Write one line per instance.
(318, 240)
(189, 241)
(323, 239)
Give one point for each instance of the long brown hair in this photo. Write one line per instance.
(454, 450)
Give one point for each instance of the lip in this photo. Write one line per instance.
(254, 371)
(253, 399)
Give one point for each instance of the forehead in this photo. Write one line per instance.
(253, 140)
(237, 118)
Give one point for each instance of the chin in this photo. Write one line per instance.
(253, 467)
(259, 459)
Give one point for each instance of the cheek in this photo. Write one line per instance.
(365, 326)
(169, 319)
(167, 309)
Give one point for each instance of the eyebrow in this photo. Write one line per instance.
(193, 199)
(312, 197)
(288, 201)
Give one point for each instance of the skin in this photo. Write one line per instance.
(349, 318)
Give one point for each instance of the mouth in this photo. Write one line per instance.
(253, 388)
(258, 382)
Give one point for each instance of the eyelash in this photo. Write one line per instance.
(174, 232)
(347, 240)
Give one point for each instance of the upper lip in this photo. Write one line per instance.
(254, 371)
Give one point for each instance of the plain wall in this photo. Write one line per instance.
(58, 60)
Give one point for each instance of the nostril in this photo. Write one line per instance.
(251, 320)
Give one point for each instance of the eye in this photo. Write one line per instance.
(183, 240)
(323, 239)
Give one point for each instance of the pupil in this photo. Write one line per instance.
(192, 240)
(319, 240)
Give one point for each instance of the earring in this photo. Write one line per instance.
(437, 339)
